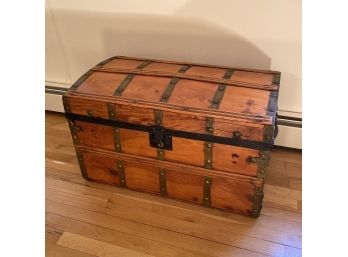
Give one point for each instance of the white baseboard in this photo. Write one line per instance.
(288, 136)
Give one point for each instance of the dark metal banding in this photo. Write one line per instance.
(158, 116)
(174, 133)
(162, 182)
(208, 155)
(209, 125)
(73, 130)
(228, 73)
(121, 173)
(169, 90)
(143, 65)
(124, 84)
(184, 68)
(219, 94)
(207, 191)
(104, 62)
(82, 164)
(257, 202)
(80, 80)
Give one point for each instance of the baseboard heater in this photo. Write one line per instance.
(290, 128)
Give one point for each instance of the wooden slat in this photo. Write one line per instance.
(95, 247)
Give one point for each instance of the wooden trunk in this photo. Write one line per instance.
(194, 132)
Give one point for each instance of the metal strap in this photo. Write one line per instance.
(184, 68)
(228, 73)
(124, 84)
(162, 182)
(160, 154)
(209, 126)
(208, 154)
(207, 191)
(82, 164)
(261, 162)
(207, 137)
(73, 130)
(116, 131)
(80, 80)
(257, 202)
(121, 173)
(158, 116)
(167, 93)
(143, 65)
(219, 94)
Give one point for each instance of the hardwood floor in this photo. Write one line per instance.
(87, 219)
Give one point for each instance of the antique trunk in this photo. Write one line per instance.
(194, 132)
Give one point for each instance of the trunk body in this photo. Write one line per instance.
(193, 132)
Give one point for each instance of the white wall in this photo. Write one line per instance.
(253, 34)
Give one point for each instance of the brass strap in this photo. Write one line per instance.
(228, 73)
(162, 182)
(257, 202)
(124, 84)
(160, 154)
(129, 78)
(158, 121)
(261, 162)
(116, 131)
(73, 130)
(80, 80)
(82, 164)
(121, 173)
(208, 154)
(209, 125)
(207, 191)
(158, 116)
(111, 111)
(169, 90)
(219, 94)
(184, 68)
(144, 64)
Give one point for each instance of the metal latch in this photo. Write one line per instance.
(159, 138)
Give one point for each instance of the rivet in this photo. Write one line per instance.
(209, 145)
(116, 130)
(162, 173)
(263, 156)
(122, 180)
(208, 182)
(120, 165)
(158, 121)
(210, 129)
(206, 198)
(208, 161)
(262, 171)
(161, 152)
(221, 87)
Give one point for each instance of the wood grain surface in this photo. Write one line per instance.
(112, 221)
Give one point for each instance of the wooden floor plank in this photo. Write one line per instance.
(125, 240)
(95, 247)
(204, 247)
